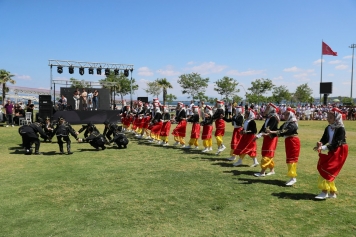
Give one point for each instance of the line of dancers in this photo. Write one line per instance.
(154, 123)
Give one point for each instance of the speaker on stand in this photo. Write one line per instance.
(45, 108)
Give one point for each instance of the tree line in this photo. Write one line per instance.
(194, 86)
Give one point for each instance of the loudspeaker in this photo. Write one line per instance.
(45, 107)
(143, 99)
(326, 87)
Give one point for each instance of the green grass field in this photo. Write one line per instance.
(148, 190)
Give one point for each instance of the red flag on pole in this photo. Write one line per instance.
(326, 50)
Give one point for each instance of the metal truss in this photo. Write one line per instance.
(67, 63)
(90, 83)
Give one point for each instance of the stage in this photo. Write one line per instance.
(83, 117)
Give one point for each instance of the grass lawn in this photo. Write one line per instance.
(148, 190)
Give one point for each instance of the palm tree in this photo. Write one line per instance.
(5, 77)
(164, 84)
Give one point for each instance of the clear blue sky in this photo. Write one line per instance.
(242, 39)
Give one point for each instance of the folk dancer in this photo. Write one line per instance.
(29, 136)
(166, 126)
(247, 144)
(195, 132)
(289, 130)
(62, 131)
(156, 124)
(207, 124)
(180, 130)
(269, 140)
(237, 121)
(218, 116)
(330, 164)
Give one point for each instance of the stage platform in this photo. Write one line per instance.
(83, 117)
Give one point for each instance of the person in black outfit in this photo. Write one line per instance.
(120, 138)
(88, 128)
(29, 136)
(110, 129)
(48, 128)
(62, 131)
(94, 138)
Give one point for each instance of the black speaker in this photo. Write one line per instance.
(326, 87)
(143, 99)
(44, 99)
(45, 107)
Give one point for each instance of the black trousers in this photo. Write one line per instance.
(28, 141)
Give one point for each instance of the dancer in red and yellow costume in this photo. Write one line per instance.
(156, 124)
(329, 165)
(126, 119)
(247, 144)
(237, 121)
(269, 140)
(218, 116)
(181, 128)
(289, 130)
(166, 126)
(195, 132)
(207, 124)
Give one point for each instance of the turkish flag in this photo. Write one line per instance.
(326, 50)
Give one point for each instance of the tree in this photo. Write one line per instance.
(193, 84)
(164, 84)
(227, 87)
(258, 88)
(153, 88)
(347, 100)
(79, 84)
(170, 98)
(280, 93)
(201, 97)
(237, 99)
(303, 93)
(123, 84)
(5, 77)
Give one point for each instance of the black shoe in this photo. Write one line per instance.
(103, 147)
(38, 153)
(69, 152)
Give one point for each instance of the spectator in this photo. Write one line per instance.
(9, 112)
(19, 113)
(30, 107)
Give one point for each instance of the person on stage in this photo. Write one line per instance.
(207, 124)
(247, 144)
(90, 100)
(84, 96)
(218, 116)
(289, 130)
(166, 126)
(76, 97)
(195, 132)
(96, 99)
(180, 130)
(329, 165)
(237, 121)
(269, 140)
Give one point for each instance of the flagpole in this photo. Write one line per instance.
(321, 68)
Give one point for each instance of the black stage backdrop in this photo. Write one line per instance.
(104, 97)
(84, 117)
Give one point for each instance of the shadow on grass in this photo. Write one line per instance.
(216, 159)
(263, 180)
(241, 172)
(296, 196)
